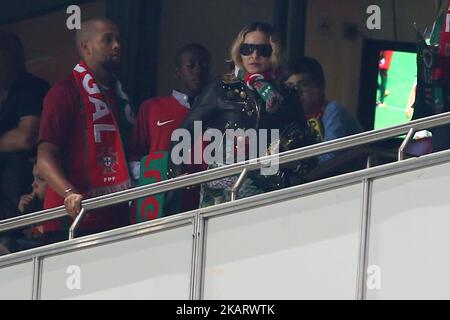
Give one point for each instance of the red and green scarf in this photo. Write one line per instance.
(261, 83)
(104, 157)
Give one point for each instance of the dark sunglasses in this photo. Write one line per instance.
(264, 50)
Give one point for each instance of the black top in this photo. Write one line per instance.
(24, 99)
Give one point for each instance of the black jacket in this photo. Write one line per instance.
(234, 106)
(224, 105)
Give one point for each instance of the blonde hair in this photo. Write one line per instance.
(274, 39)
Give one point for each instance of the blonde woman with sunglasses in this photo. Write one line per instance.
(247, 98)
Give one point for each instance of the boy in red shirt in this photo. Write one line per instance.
(159, 117)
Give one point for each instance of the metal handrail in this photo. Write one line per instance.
(238, 184)
(402, 149)
(76, 223)
(230, 170)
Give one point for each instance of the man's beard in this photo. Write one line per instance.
(111, 65)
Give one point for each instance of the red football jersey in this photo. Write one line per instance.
(157, 119)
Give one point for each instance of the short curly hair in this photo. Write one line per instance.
(277, 51)
(193, 47)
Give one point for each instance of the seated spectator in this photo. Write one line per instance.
(21, 96)
(159, 117)
(34, 201)
(328, 119)
(24, 239)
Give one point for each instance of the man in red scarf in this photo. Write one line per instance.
(85, 119)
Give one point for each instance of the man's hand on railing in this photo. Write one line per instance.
(72, 202)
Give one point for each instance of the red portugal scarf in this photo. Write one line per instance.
(105, 163)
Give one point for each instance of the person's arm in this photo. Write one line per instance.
(22, 138)
(50, 164)
(337, 123)
(334, 128)
(59, 112)
(204, 108)
(28, 103)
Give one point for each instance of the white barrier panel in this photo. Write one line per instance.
(16, 282)
(152, 266)
(303, 248)
(410, 235)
